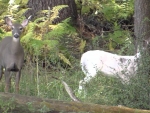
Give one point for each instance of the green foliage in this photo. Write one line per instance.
(29, 32)
(128, 47)
(113, 10)
(4, 1)
(21, 1)
(2, 32)
(7, 105)
(139, 87)
(118, 37)
(82, 46)
(55, 11)
(48, 87)
(62, 57)
(43, 37)
(60, 30)
(46, 50)
(3, 8)
(13, 10)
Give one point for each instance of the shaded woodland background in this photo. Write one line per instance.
(60, 31)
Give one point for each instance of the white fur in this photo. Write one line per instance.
(16, 39)
(110, 64)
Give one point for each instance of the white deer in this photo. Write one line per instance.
(110, 64)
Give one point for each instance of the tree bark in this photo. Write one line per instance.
(57, 106)
(142, 33)
(37, 5)
(142, 19)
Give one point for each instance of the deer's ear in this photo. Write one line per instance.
(8, 21)
(25, 22)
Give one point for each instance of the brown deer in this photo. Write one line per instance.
(12, 54)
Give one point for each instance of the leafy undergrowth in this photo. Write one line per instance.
(38, 81)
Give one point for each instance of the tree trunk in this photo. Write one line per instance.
(142, 19)
(28, 104)
(37, 5)
(142, 33)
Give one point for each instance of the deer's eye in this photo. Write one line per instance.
(12, 27)
(21, 28)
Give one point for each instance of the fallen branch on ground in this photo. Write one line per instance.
(30, 104)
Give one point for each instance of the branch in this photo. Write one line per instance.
(49, 106)
(69, 90)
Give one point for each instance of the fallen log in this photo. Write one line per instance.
(30, 104)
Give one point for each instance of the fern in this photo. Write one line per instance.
(29, 32)
(82, 46)
(3, 8)
(51, 44)
(55, 11)
(1, 33)
(20, 13)
(36, 45)
(21, 1)
(118, 37)
(61, 29)
(52, 14)
(113, 10)
(62, 57)
(41, 36)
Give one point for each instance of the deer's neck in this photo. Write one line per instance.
(15, 46)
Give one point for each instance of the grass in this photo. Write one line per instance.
(42, 84)
(38, 81)
(47, 87)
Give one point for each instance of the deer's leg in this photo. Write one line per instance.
(7, 80)
(18, 74)
(88, 77)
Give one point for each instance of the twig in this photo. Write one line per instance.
(68, 89)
